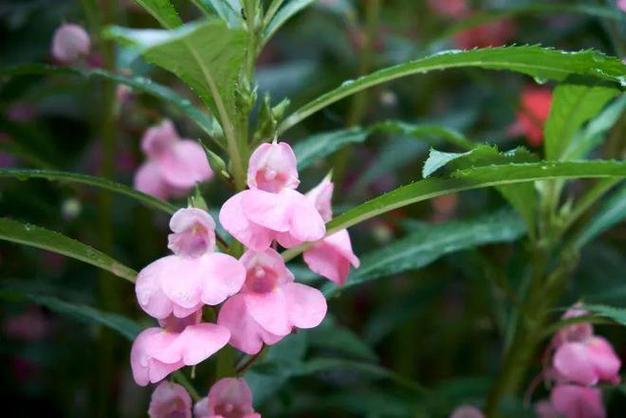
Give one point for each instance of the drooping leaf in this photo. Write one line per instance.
(612, 211)
(284, 14)
(475, 178)
(125, 326)
(572, 106)
(102, 183)
(207, 56)
(142, 84)
(223, 8)
(163, 11)
(38, 237)
(319, 146)
(432, 242)
(616, 314)
(540, 63)
(593, 134)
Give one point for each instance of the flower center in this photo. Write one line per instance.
(261, 280)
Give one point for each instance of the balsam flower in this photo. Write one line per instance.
(271, 209)
(573, 401)
(228, 398)
(174, 165)
(181, 284)
(70, 43)
(587, 362)
(170, 400)
(157, 352)
(332, 256)
(270, 304)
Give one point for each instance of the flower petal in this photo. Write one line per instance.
(306, 305)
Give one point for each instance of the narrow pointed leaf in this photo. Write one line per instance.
(612, 211)
(535, 61)
(163, 11)
(284, 14)
(38, 237)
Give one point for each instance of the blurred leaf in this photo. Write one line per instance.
(142, 84)
(223, 9)
(102, 183)
(616, 314)
(540, 63)
(163, 11)
(474, 178)
(612, 211)
(331, 336)
(593, 134)
(319, 146)
(125, 326)
(38, 237)
(572, 106)
(206, 56)
(430, 243)
(276, 366)
(424, 131)
(284, 14)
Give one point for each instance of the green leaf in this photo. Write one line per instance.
(612, 211)
(475, 178)
(102, 183)
(125, 326)
(572, 106)
(540, 63)
(331, 336)
(284, 14)
(431, 243)
(424, 131)
(616, 314)
(593, 134)
(437, 159)
(207, 56)
(223, 9)
(163, 11)
(319, 146)
(142, 84)
(38, 237)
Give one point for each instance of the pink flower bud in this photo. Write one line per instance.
(273, 167)
(193, 233)
(170, 400)
(467, 411)
(70, 43)
(228, 398)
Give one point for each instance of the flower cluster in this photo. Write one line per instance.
(260, 301)
(228, 398)
(579, 361)
(173, 166)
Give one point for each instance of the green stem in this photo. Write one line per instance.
(588, 200)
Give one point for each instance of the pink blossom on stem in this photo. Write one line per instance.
(332, 256)
(272, 209)
(545, 409)
(70, 43)
(170, 400)
(575, 332)
(228, 398)
(587, 362)
(157, 352)
(455, 9)
(467, 411)
(577, 401)
(180, 284)
(174, 165)
(270, 304)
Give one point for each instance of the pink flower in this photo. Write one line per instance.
(70, 43)
(486, 35)
(575, 332)
(621, 4)
(180, 284)
(587, 362)
(467, 411)
(449, 8)
(271, 209)
(31, 325)
(228, 398)
(332, 256)
(157, 352)
(534, 111)
(193, 233)
(270, 304)
(577, 401)
(170, 400)
(174, 165)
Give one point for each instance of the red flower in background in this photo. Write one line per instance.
(533, 112)
(483, 36)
